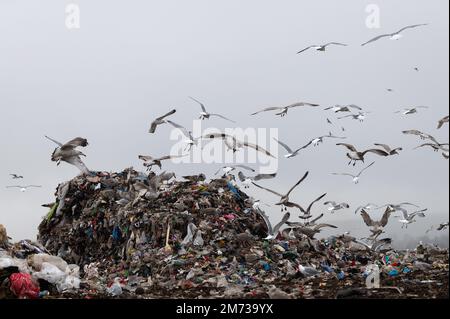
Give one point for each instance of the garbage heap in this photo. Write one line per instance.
(135, 235)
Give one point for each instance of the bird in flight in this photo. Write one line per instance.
(15, 176)
(354, 155)
(68, 153)
(343, 108)
(389, 150)
(150, 161)
(247, 181)
(443, 121)
(411, 110)
(322, 47)
(376, 227)
(307, 213)
(284, 199)
(23, 189)
(355, 177)
(422, 135)
(393, 36)
(334, 207)
(232, 143)
(409, 218)
(189, 140)
(228, 169)
(319, 140)
(272, 232)
(283, 110)
(291, 153)
(205, 115)
(160, 121)
(360, 116)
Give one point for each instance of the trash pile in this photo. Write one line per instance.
(134, 235)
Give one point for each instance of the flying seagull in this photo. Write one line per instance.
(321, 48)
(308, 229)
(273, 231)
(376, 227)
(291, 153)
(411, 110)
(24, 188)
(307, 213)
(247, 181)
(150, 161)
(375, 244)
(234, 144)
(442, 226)
(319, 140)
(393, 36)
(204, 115)
(15, 176)
(389, 150)
(398, 207)
(366, 207)
(190, 141)
(443, 121)
(283, 110)
(334, 207)
(422, 135)
(343, 108)
(68, 153)
(409, 218)
(159, 121)
(228, 169)
(354, 155)
(361, 116)
(284, 199)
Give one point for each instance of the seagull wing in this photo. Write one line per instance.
(348, 146)
(377, 152)
(269, 190)
(365, 168)
(376, 39)
(222, 117)
(183, 130)
(54, 141)
(411, 27)
(266, 220)
(319, 226)
(443, 121)
(344, 174)
(244, 167)
(285, 146)
(166, 115)
(76, 161)
(145, 158)
(367, 220)
(76, 142)
(264, 176)
(242, 177)
(384, 220)
(336, 43)
(301, 104)
(258, 148)
(355, 107)
(386, 147)
(316, 219)
(298, 183)
(308, 210)
(278, 226)
(274, 108)
(306, 49)
(201, 104)
(33, 186)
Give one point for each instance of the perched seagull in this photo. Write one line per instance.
(23, 189)
(393, 36)
(361, 116)
(284, 109)
(291, 153)
(389, 150)
(412, 110)
(443, 121)
(68, 153)
(442, 226)
(307, 213)
(190, 141)
(308, 271)
(150, 161)
(376, 227)
(228, 169)
(160, 121)
(343, 108)
(234, 144)
(321, 48)
(204, 115)
(273, 231)
(409, 218)
(247, 181)
(284, 199)
(334, 207)
(356, 155)
(15, 176)
(319, 140)
(366, 207)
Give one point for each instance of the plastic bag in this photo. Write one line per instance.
(23, 287)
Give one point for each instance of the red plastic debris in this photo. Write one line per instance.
(23, 286)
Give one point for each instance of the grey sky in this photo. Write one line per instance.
(134, 60)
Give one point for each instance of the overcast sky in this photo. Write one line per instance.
(131, 61)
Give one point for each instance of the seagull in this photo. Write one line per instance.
(409, 218)
(361, 116)
(323, 47)
(442, 226)
(443, 121)
(204, 115)
(412, 110)
(376, 244)
(150, 161)
(422, 135)
(398, 207)
(273, 231)
(307, 213)
(394, 36)
(435, 146)
(68, 153)
(234, 144)
(190, 141)
(308, 271)
(318, 140)
(228, 169)
(291, 153)
(247, 181)
(355, 155)
(333, 206)
(389, 150)
(23, 189)
(160, 120)
(15, 176)
(376, 227)
(366, 207)
(309, 230)
(284, 199)
(343, 108)
(284, 109)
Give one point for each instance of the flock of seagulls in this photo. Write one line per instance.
(308, 225)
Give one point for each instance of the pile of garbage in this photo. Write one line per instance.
(134, 235)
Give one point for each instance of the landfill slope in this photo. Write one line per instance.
(139, 236)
